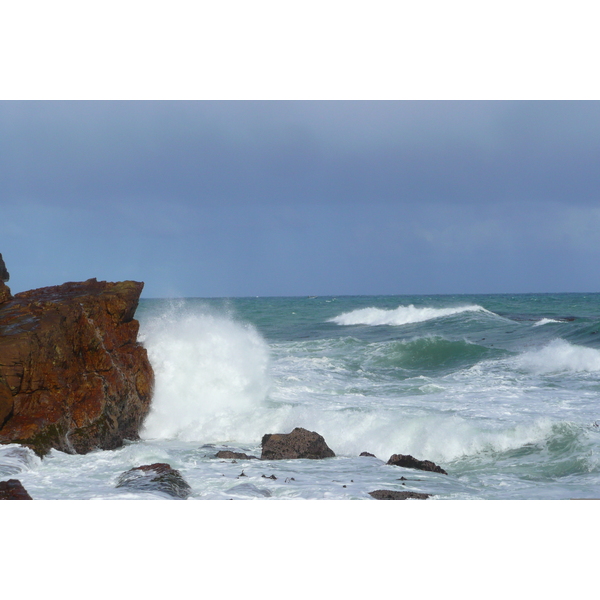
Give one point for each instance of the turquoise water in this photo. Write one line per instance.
(500, 390)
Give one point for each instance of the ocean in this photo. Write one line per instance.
(502, 391)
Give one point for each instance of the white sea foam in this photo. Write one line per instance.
(544, 322)
(210, 373)
(560, 356)
(401, 315)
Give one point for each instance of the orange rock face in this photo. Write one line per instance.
(72, 374)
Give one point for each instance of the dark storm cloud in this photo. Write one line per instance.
(235, 198)
(323, 151)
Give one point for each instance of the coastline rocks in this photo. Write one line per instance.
(300, 443)
(237, 455)
(410, 462)
(5, 294)
(72, 374)
(13, 490)
(158, 477)
(367, 454)
(392, 495)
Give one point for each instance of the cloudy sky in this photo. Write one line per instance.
(253, 198)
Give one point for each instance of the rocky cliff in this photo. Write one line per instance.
(72, 374)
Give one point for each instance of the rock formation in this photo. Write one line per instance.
(410, 462)
(300, 443)
(158, 477)
(13, 490)
(393, 495)
(72, 374)
(4, 276)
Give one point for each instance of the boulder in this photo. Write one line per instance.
(237, 455)
(393, 495)
(72, 373)
(367, 454)
(158, 477)
(408, 461)
(13, 490)
(300, 443)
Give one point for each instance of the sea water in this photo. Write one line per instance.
(502, 391)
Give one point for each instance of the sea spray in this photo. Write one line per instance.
(211, 372)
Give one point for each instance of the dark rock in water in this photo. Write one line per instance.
(4, 276)
(367, 454)
(392, 495)
(248, 489)
(158, 477)
(269, 477)
(13, 490)
(237, 455)
(300, 443)
(408, 461)
(72, 373)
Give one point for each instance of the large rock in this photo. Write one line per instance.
(13, 490)
(410, 462)
(72, 374)
(300, 443)
(158, 477)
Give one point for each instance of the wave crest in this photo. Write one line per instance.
(401, 315)
(560, 356)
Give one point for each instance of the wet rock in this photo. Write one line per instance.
(367, 454)
(410, 462)
(158, 477)
(72, 374)
(300, 443)
(393, 495)
(269, 477)
(236, 455)
(13, 490)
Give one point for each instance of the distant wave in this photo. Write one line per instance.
(545, 321)
(401, 315)
(560, 356)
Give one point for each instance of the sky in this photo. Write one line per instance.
(291, 198)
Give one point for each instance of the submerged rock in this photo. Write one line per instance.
(393, 495)
(300, 443)
(248, 489)
(410, 462)
(72, 374)
(158, 477)
(237, 455)
(13, 490)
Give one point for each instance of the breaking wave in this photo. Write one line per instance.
(401, 315)
(207, 367)
(560, 356)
